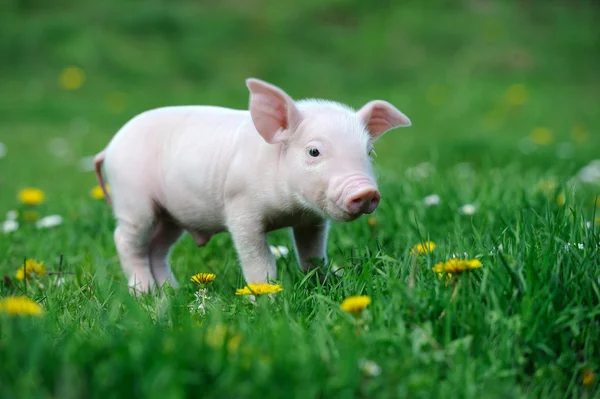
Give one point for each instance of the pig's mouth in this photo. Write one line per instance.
(339, 214)
(328, 209)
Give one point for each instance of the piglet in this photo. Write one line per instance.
(207, 169)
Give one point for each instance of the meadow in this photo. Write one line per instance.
(501, 167)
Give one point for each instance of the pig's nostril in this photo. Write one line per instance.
(365, 202)
(355, 204)
(373, 204)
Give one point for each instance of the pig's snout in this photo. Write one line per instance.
(366, 201)
(356, 195)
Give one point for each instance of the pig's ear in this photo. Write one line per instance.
(272, 110)
(380, 116)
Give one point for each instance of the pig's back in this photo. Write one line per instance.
(156, 127)
(177, 156)
(157, 124)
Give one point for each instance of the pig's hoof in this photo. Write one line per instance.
(173, 283)
(139, 286)
(252, 299)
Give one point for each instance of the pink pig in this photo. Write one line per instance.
(208, 169)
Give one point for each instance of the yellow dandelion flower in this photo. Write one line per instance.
(547, 185)
(355, 304)
(234, 343)
(422, 248)
(588, 377)
(31, 196)
(579, 134)
(542, 136)
(456, 266)
(30, 267)
(20, 305)
(203, 278)
(259, 289)
(448, 278)
(561, 199)
(217, 336)
(516, 95)
(71, 78)
(372, 221)
(97, 193)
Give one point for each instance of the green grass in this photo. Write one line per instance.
(526, 324)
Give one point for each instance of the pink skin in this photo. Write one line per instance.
(207, 170)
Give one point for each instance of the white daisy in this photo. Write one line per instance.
(79, 126)
(468, 209)
(12, 215)
(59, 147)
(49, 221)
(86, 164)
(420, 172)
(590, 173)
(9, 226)
(370, 368)
(279, 251)
(432, 200)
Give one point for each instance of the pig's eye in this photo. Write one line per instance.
(313, 152)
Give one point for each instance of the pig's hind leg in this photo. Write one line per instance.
(136, 222)
(132, 242)
(166, 233)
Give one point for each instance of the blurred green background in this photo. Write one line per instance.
(484, 81)
(504, 98)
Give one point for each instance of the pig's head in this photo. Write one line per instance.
(325, 157)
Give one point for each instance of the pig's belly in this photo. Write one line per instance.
(204, 216)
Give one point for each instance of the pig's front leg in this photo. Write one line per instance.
(258, 263)
(311, 245)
